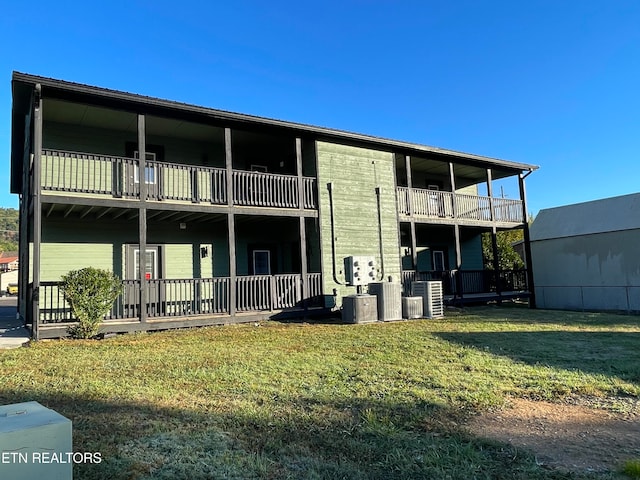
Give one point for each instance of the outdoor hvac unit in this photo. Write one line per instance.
(389, 297)
(30, 435)
(359, 270)
(359, 309)
(412, 307)
(432, 298)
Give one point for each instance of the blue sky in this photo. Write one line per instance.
(551, 83)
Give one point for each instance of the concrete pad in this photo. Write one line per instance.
(13, 333)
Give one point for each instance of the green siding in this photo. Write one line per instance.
(72, 245)
(355, 174)
(59, 258)
(178, 261)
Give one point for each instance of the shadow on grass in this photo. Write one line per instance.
(510, 313)
(359, 439)
(608, 353)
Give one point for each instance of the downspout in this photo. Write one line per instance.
(333, 234)
(380, 234)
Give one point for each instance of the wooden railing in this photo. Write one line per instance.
(194, 296)
(467, 282)
(87, 173)
(265, 189)
(75, 172)
(439, 204)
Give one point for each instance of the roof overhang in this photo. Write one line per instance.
(24, 84)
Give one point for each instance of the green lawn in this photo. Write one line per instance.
(321, 401)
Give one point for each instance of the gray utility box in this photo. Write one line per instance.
(35, 442)
(412, 307)
(389, 297)
(359, 309)
(359, 269)
(432, 297)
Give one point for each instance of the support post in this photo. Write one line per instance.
(229, 165)
(407, 166)
(452, 181)
(142, 217)
(496, 261)
(527, 242)
(231, 223)
(494, 238)
(412, 225)
(414, 246)
(456, 232)
(232, 263)
(303, 261)
(302, 227)
(37, 210)
(299, 174)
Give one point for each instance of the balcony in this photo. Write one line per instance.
(192, 298)
(86, 174)
(445, 206)
(474, 285)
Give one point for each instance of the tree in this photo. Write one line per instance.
(508, 258)
(8, 229)
(90, 293)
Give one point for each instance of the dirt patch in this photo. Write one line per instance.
(572, 437)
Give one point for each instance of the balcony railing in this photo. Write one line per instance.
(439, 204)
(191, 297)
(468, 282)
(74, 172)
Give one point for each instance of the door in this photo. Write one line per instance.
(438, 261)
(152, 259)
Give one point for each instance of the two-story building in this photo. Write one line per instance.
(213, 217)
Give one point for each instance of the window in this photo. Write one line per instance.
(149, 170)
(261, 262)
(150, 264)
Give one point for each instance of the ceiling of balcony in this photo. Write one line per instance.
(99, 117)
(439, 168)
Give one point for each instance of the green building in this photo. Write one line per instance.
(238, 217)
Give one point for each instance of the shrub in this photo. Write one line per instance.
(90, 293)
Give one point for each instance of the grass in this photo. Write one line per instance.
(632, 468)
(322, 401)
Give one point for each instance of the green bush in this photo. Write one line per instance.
(90, 293)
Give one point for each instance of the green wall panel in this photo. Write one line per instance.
(355, 173)
(59, 258)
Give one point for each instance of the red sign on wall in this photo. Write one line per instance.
(147, 276)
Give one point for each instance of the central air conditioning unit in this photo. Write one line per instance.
(412, 307)
(359, 309)
(432, 297)
(359, 270)
(389, 297)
